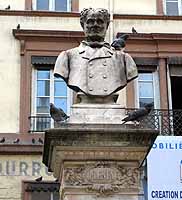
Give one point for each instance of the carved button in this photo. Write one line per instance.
(104, 63)
(90, 63)
(104, 76)
(105, 89)
(90, 89)
(91, 75)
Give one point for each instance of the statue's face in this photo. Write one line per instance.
(95, 27)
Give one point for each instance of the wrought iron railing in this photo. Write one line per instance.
(39, 123)
(168, 122)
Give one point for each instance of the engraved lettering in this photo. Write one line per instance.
(36, 167)
(23, 168)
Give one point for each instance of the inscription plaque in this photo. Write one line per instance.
(102, 178)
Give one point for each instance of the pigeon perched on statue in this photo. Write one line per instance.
(57, 114)
(138, 115)
(120, 42)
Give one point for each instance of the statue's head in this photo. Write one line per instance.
(94, 23)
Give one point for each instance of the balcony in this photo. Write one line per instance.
(168, 122)
(40, 123)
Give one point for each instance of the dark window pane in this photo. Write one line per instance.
(61, 5)
(56, 196)
(60, 88)
(43, 88)
(42, 105)
(40, 196)
(144, 101)
(172, 8)
(61, 103)
(43, 74)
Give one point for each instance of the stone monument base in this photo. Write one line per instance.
(97, 113)
(97, 110)
(97, 161)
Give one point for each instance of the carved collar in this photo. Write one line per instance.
(105, 47)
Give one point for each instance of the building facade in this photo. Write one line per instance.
(33, 34)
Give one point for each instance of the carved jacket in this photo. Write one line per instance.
(95, 71)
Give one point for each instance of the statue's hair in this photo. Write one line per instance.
(84, 13)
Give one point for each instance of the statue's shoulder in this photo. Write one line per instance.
(72, 51)
(125, 55)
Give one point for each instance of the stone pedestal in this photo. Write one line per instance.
(97, 161)
(97, 113)
(96, 110)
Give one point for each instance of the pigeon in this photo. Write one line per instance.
(18, 26)
(33, 140)
(2, 140)
(38, 179)
(119, 42)
(8, 7)
(57, 114)
(138, 115)
(40, 141)
(16, 141)
(133, 30)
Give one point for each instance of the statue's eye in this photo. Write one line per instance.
(90, 21)
(100, 21)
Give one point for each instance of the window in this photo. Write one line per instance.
(47, 89)
(33, 190)
(173, 7)
(52, 5)
(148, 88)
(147, 91)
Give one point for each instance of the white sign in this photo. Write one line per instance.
(165, 169)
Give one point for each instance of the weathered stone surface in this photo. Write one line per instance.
(103, 178)
(96, 160)
(97, 113)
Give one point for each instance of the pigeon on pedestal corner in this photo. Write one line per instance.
(139, 114)
(57, 114)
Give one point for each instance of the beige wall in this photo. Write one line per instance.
(148, 26)
(122, 6)
(14, 169)
(14, 4)
(135, 7)
(93, 4)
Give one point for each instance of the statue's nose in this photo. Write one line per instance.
(95, 23)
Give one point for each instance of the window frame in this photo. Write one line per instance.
(52, 6)
(179, 7)
(156, 92)
(34, 94)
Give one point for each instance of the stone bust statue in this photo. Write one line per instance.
(94, 67)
